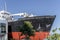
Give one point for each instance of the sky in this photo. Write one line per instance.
(36, 7)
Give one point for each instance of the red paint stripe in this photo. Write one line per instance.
(38, 35)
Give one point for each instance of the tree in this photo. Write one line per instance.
(54, 36)
(27, 29)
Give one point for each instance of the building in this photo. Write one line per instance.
(42, 25)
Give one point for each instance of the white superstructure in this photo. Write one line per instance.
(6, 17)
(9, 17)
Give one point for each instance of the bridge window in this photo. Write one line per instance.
(2, 28)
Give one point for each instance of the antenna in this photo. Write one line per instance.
(5, 6)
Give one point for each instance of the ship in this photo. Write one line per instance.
(42, 25)
(8, 25)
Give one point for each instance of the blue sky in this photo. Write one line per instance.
(36, 7)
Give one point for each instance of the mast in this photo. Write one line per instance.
(5, 6)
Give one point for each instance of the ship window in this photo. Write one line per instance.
(2, 28)
(3, 17)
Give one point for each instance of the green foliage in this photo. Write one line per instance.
(59, 28)
(27, 28)
(54, 36)
(54, 30)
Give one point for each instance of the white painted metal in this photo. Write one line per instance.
(8, 17)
